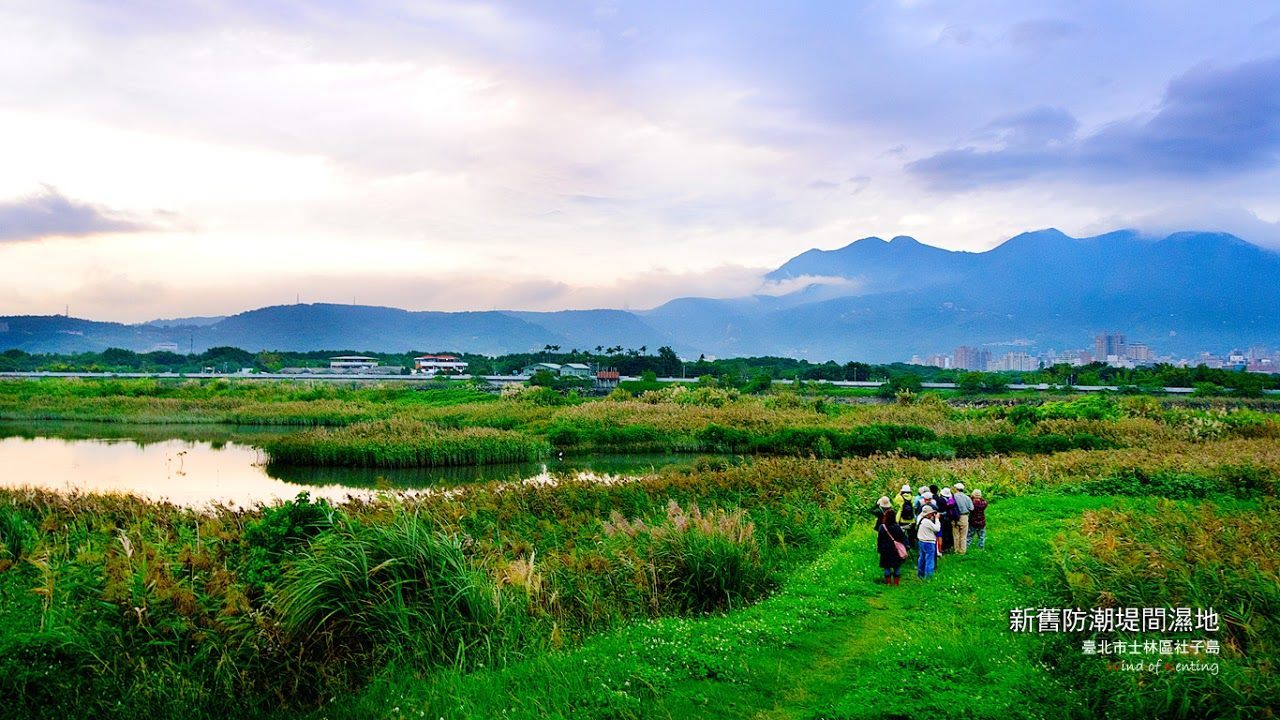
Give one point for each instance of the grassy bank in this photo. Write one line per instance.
(834, 643)
(441, 424)
(111, 606)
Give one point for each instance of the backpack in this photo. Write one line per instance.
(908, 511)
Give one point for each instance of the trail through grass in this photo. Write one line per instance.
(831, 644)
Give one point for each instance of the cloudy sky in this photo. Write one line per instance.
(166, 158)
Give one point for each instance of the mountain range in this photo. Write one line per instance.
(872, 300)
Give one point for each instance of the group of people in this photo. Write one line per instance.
(930, 522)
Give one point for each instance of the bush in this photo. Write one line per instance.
(281, 531)
(1161, 484)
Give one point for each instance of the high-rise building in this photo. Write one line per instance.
(1020, 361)
(971, 358)
(1108, 347)
(1139, 352)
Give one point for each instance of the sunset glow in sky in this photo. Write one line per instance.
(165, 159)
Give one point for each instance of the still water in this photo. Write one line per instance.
(197, 465)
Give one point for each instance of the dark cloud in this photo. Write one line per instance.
(51, 214)
(1211, 122)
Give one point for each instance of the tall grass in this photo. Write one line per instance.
(397, 587)
(403, 443)
(1179, 555)
(699, 562)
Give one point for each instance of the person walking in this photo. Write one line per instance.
(964, 507)
(927, 529)
(889, 536)
(906, 514)
(978, 520)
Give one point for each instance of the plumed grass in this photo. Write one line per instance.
(399, 587)
(1174, 554)
(403, 443)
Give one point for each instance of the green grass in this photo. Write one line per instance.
(831, 643)
(403, 443)
(616, 598)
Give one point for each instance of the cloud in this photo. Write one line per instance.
(109, 295)
(1208, 215)
(1211, 122)
(1041, 34)
(51, 214)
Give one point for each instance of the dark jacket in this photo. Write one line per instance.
(888, 530)
(978, 518)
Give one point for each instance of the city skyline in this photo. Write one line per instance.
(1109, 347)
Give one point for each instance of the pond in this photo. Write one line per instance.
(197, 464)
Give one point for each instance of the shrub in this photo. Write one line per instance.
(927, 449)
(281, 531)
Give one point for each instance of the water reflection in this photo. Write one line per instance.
(196, 465)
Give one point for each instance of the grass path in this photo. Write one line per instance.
(832, 643)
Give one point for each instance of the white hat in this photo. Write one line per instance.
(923, 489)
(926, 509)
(927, 495)
(977, 492)
(946, 492)
(958, 486)
(884, 502)
(905, 488)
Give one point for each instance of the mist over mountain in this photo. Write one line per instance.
(872, 300)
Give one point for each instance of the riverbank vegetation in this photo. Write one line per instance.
(450, 424)
(113, 606)
(677, 588)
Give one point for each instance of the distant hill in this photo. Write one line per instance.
(872, 300)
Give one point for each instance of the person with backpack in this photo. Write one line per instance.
(889, 538)
(927, 529)
(978, 520)
(907, 514)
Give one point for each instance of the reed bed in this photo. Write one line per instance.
(1172, 554)
(403, 443)
(146, 608)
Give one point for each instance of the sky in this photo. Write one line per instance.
(168, 159)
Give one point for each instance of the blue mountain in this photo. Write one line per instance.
(873, 300)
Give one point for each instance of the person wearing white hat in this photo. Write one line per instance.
(906, 514)
(927, 529)
(964, 506)
(889, 537)
(948, 516)
(919, 496)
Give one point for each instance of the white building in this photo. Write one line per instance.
(439, 365)
(576, 370)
